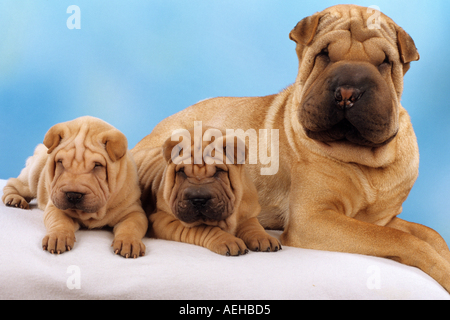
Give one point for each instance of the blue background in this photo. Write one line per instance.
(133, 63)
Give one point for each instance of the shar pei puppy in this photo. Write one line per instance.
(195, 191)
(83, 175)
(348, 155)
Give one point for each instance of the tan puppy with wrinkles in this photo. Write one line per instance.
(83, 175)
(348, 152)
(208, 202)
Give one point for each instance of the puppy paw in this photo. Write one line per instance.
(16, 201)
(263, 242)
(229, 246)
(58, 242)
(128, 247)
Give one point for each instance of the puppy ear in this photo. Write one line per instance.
(406, 46)
(172, 147)
(305, 30)
(54, 136)
(167, 149)
(116, 144)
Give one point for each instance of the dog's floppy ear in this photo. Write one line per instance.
(167, 149)
(406, 47)
(116, 144)
(172, 147)
(54, 136)
(305, 30)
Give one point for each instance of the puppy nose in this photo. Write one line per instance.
(346, 96)
(198, 197)
(199, 202)
(74, 197)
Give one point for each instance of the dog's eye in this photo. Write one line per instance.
(323, 56)
(98, 165)
(386, 61)
(218, 172)
(181, 171)
(323, 53)
(385, 64)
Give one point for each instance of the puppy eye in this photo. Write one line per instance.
(181, 171)
(385, 64)
(218, 172)
(98, 165)
(386, 61)
(324, 52)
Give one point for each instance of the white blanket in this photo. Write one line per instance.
(172, 270)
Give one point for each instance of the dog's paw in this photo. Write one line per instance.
(229, 245)
(263, 242)
(58, 242)
(128, 247)
(16, 201)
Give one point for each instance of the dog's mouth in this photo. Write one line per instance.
(345, 131)
(78, 205)
(202, 203)
(201, 209)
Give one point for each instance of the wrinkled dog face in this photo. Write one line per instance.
(80, 185)
(83, 161)
(202, 193)
(352, 76)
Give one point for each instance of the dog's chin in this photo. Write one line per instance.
(193, 218)
(344, 132)
(85, 216)
(192, 224)
(80, 211)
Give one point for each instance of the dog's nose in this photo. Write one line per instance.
(198, 197)
(199, 202)
(346, 96)
(74, 197)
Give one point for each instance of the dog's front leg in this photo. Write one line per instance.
(424, 233)
(256, 238)
(128, 234)
(60, 230)
(167, 227)
(332, 231)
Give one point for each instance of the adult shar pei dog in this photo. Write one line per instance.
(348, 155)
(83, 175)
(194, 194)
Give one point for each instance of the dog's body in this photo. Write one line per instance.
(348, 153)
(208, 202)
(83, 175)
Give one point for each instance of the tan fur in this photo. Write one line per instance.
(335, 196)
(230, 236)
(88, 156)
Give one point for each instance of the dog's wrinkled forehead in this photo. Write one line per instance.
(363, 23)
(79, 152)
(200, 171)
